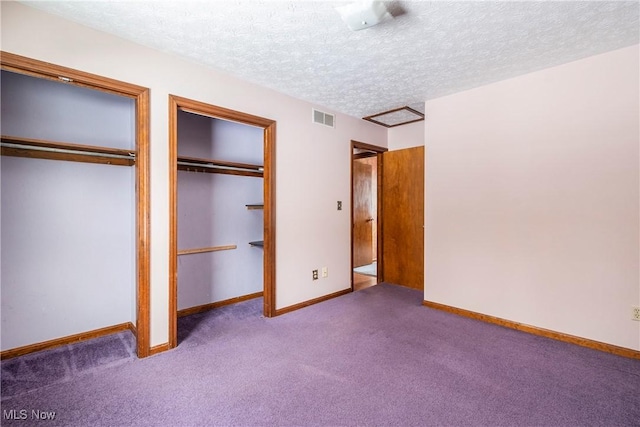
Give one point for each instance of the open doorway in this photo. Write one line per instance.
(77, 209)
(366, 221)
(214, 166)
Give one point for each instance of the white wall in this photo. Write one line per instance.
(312, 161)
(532, 199)
(68, 228)
(44, 109)
(406, 136)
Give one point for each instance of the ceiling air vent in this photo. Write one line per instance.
(323, 118)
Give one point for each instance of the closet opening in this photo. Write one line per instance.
(366, 215)
(75, 207)
(222, 209)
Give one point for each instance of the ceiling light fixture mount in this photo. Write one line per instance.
(364, 14)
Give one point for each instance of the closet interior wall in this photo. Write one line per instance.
(68, 249)
(212, 212)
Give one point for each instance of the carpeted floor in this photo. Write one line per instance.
(369, 358)
(34, 371)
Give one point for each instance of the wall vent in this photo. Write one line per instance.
(323, 118)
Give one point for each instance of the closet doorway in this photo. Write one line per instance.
(366, 215)
(54, 235)
(222, 209)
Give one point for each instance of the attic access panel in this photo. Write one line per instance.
(396, 117)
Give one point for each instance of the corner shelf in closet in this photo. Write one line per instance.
(41, 149)
(257, 243)
(192, 164)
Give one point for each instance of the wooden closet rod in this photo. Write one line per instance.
(209, 249)
(41, 149)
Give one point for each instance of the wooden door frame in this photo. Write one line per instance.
(379, 235)
(176, 104)
(140, 95)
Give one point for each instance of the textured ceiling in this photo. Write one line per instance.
(430, 49)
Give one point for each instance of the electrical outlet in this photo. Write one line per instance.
(325, 272)
(635, 312)
(315, 274)
(339, 205)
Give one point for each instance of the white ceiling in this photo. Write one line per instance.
(430, 49)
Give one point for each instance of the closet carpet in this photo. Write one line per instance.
(376, 357)
(63, 364)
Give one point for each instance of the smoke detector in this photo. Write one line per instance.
(364, 14)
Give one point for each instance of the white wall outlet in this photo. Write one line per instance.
(314, 274)
(635, 312)
(325, 272)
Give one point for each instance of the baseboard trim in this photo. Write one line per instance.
(559, 336)
(312, 301)
(133, 329)
(159, 349)
(71, 339)
(217, 304)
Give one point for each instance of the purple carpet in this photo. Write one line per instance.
(370, 358)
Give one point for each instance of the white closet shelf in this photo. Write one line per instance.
(41, 149)
(193, 164)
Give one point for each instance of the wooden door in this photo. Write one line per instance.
(362, 214)
(403, 213)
